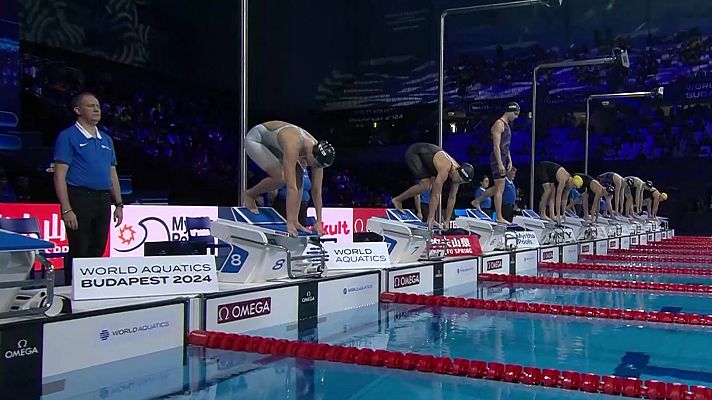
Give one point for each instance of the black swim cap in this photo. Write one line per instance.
(324, 153)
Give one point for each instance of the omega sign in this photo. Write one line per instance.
(244, 310)
(400, 281)
(22, 350)
(494, 264)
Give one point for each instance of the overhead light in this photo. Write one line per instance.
(621, 56)
(657, 93)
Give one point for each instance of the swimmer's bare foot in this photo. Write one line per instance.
(502, 221)
(476, 204)
(251, 204)
(397, 204)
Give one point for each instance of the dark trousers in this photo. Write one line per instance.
(280, 205)
(93, 211)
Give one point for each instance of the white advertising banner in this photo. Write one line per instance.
(496, 264)
(570, 253)
(357, 255)
(119, 277)
(85, 342)
(526, 262)
(411, 280)
(602, 247)
(460, 273)
(254, 310)
(549, 254)
(347, 293)
(143, 224)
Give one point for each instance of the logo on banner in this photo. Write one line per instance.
(401, 281)
(458, 245)
(586, 248)
(462, 270)
(116, 277)
(23, 349)
(155, 224)
(547, 255)
(106, 334)
(494, 264)
(336, 222)
(612, 243)
(356, 255)
(634, 240)
(356, 289)
(308, 297)
(362, 215)
(529, 257)
(244, 309)
(527, 239)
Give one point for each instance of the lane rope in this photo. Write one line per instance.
(512, 373)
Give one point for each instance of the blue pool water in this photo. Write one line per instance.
(247, 376)
(609, 298)
(644, 350)
(627, 276)
(210, 374)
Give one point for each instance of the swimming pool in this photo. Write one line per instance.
(593, 297)
(623, 348)
(626, 276)
(253, 376)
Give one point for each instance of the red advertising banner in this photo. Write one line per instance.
(458, 245)
(51, 226)
(361, 215)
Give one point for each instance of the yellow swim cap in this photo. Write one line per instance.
(578, 181)
(663, 196)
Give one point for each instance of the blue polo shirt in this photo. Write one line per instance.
(89, 158)
(509, 196)
(486, 203)
(306, 187)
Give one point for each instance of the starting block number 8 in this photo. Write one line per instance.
(236, 260)
(279, 264)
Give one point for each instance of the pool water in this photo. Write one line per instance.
(626, 276)
(643, 350)
(691, 303)
(237, 375)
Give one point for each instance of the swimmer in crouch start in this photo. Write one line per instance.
(432, 166)
(593, 186)
(556, 183)
(279, 148)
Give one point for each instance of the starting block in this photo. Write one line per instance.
(635, 223)
(582, 229)
(493, 236)
(608, 228)
(17, 257)
(628, 227)
(261, 248)
(406, 235)
(547, 232)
